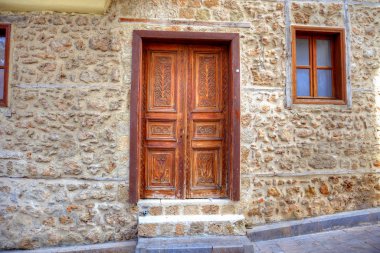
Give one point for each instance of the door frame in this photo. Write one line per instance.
(230, 39)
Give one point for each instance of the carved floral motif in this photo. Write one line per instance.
(161, 168)
(206, 130)
(205, 166)
(207, 81)
(161, 130)
(162, 81)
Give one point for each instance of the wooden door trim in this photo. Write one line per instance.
(232, 40)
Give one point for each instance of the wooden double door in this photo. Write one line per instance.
(184, 121)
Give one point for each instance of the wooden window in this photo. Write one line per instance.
(5, 31)
(318, 64)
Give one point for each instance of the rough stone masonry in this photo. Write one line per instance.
(64, 139)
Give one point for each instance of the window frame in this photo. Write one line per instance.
(7, 29)
(338, 64)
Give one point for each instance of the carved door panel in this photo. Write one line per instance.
(184, 121)
(207, 120)
(162, 145)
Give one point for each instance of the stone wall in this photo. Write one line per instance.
(64, 139)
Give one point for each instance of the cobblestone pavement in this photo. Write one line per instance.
(364, 239)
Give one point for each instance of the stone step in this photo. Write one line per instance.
(186, 207)
(191, 225)
(209, 244)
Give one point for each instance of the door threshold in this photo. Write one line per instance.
(149, 202)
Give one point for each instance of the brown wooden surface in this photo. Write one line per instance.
(207, 121)
(184, 121)
(231, 41)
(134, 151)
(162, 121)
(6, 28)
(337, 38)
(185, 37)
(234, 128)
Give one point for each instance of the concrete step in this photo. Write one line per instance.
(156, 207)
(209, 244)
(190, 225)
(108, 247)
(314, 225)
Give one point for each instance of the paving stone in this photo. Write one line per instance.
(180, 250)
(112, 247)
(364, 239)
(215, 244)
(227, 249)
(315, 224)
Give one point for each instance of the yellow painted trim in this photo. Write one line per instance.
(80, 6)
